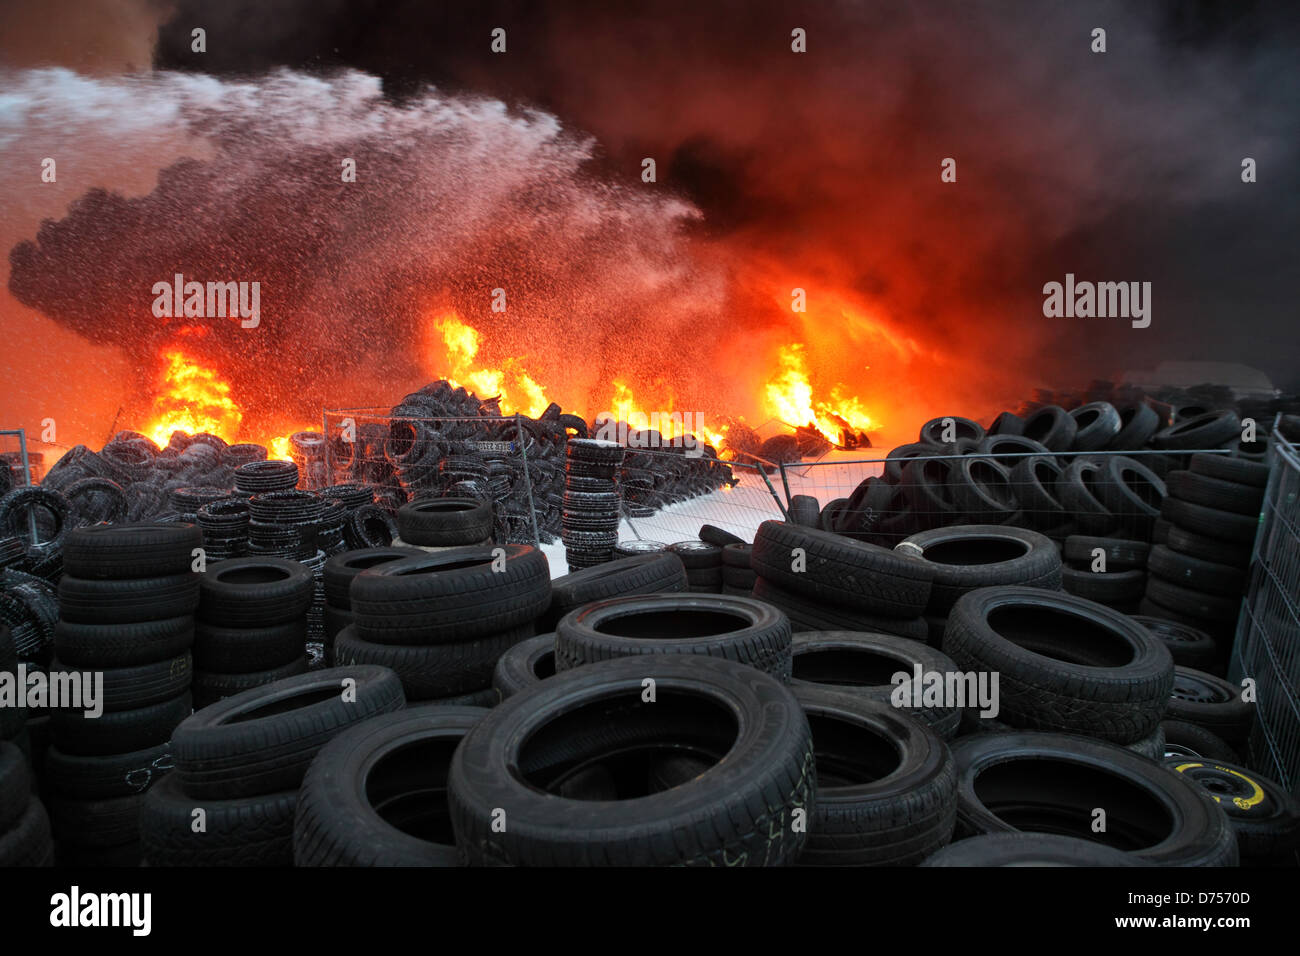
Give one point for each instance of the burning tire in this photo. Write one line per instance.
(885, 784)
(1051, 783)
(735, 628)
(593, 720)
(1066, 664)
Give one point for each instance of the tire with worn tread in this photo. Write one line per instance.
(738, 812)
(376, 795)
(1066, 665)
(1051, 782)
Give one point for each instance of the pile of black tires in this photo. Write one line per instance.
(444, 441)
(1052, 479)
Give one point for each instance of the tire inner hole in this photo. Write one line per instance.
(1046, 795)
(621, 748)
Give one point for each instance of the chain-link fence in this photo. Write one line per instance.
(1267, 648)
(734, 496)
(520, 469)
(519, 463)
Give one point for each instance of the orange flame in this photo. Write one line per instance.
(790, 398)
(515, 388)
(194, 398)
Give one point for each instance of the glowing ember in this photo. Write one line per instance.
(790, 399)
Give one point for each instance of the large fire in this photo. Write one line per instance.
(193, 398)
(789, 398)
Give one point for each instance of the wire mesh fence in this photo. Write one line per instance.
(1267, 647)
(1113, 493)
(734, 496)
(519, 464)
(407, 458)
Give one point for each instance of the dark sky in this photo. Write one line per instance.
(1213, 81)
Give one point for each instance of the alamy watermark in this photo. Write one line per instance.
(642, 430)
(216, 300)
(959, 689)
(1102, 300)
(60, 690)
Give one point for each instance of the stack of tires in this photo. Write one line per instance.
(239, 763)
(978, 556)
(827, 582)
(1197, 576)
(224, 523)
(126, 627)
(13, 718)
(1110, 571)
(25, 838)
(252, 625)
(337, 576)
(434, 523)
(590, 516)
(703, 563)
(738, 575)
(441, 620)
(1064, 665)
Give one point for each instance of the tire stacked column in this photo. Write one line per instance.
(591, 511)
(126, 626)
(252, 625)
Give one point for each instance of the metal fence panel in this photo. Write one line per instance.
(1267, 647)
